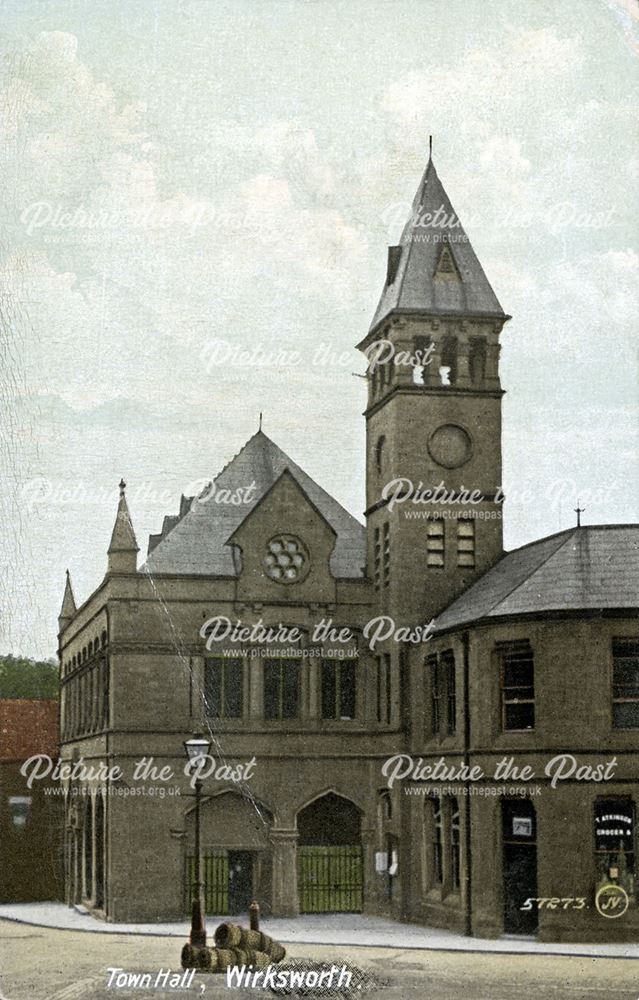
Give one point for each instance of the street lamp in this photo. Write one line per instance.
(196, 748)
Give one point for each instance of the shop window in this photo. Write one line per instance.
(615, 841)
(338, 689)
(223, 688)
(282, 682)
(466, 543)
(625, 684)
(435, 542)
(517, 687)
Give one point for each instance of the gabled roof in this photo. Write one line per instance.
(413, 283)
(589, 568)
(197, 542)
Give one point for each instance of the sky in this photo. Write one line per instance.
(189, 183)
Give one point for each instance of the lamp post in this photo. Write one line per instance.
(196, 748)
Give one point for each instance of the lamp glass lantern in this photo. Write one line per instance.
(198, 746)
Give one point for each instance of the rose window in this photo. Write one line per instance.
(286, 559)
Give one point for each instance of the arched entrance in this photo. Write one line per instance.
(330, 870)
(236, 855)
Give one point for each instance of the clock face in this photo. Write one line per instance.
(450, 446)
(286, 559)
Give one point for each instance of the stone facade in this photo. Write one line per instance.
(315, 827)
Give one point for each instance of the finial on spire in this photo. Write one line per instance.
(122, 486)
(579, 511)
(260, 421)
(430, 147)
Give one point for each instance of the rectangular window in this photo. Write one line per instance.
(435, 542)
(282, 682)
(224, 688)
(438, 859)
(465, 543)
(517, 687)
(448, 670)
(378, 687)
(386, 554)
(338, 689)
(625, 684)
(435, 694)
(384, 688)
(387, 671)
(377, 559)
(454, 845)
(615, 841)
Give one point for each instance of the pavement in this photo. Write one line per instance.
(41, 963)
(344, 929)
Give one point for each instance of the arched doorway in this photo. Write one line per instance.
(330, 869)
(236, 854)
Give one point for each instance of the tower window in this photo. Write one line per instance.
(477, 360)
(379, 453)
(625, 684)
(377, 558)
(435, 542)
(466, 543)
(517, 687)
(446, 266)
(448, 361)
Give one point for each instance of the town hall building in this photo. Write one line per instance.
(318, 801)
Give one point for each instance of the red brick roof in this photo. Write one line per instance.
(27, 727)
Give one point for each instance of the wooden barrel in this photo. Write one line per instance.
(228, 936)
(225, 958)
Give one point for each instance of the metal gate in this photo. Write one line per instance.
(330, 879)
(215, 875)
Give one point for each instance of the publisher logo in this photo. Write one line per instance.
(612, 901)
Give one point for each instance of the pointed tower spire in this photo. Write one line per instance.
(124, 548)
(434, 270)
(68, 608)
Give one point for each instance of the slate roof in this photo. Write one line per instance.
(414, 287)
(194, 542)
(587, 568)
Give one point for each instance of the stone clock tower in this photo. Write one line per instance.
(433, 415)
